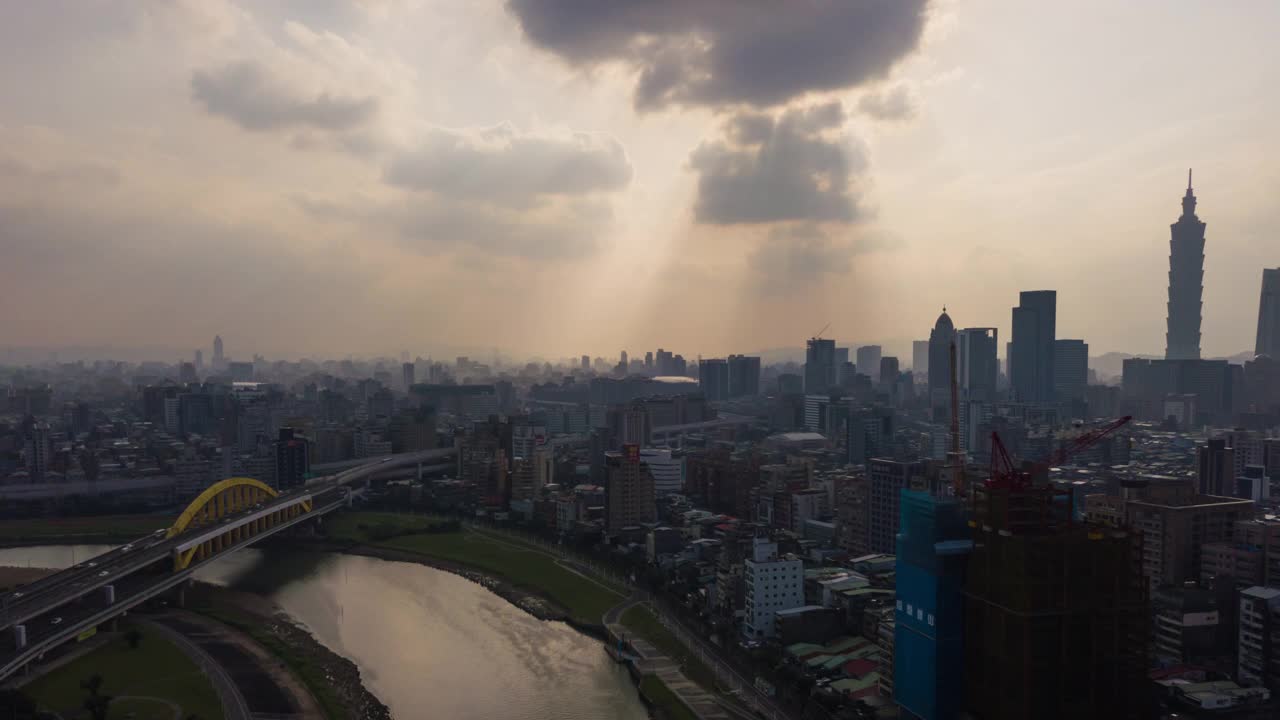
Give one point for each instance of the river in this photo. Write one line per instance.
(428, 643)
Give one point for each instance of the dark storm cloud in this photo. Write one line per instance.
(716, 52)
(795, 168)
(499, 165)
(248, 94)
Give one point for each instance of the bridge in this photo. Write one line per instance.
(230, 515)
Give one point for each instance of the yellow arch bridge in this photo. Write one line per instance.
(222, 509)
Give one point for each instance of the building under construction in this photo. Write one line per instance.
(1056, 617)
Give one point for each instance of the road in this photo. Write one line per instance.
(55, 608)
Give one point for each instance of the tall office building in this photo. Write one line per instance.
(867, 359)
(932, 549)
(888, 478)
(1031, 349)
(218, 359)
(1070, 369)
(406, 375)
(586, 363)
(1269, 315)
(744, 376)
(39, 451)
(941, 339)
(1217, 474)
(199, 358)
(819, 366)
(1186, 282)
(713, 378)
(920, 358)
(293, 459)
(977, 367)
(628, 492)
(888, 371)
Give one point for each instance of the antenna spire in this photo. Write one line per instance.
(1188, 179)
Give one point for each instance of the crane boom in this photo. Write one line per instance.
(1004, 473)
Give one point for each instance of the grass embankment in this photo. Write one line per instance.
(664, 700)
(641, 621)
(310, 673)
(530, 569)
(156, 673)
(79, 529)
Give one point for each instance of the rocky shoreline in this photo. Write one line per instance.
(342, 678)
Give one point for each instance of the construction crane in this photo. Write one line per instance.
(818, 335)
(1005, 473)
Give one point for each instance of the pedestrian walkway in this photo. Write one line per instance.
(651, 661)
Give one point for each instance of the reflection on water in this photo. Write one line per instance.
(428, 643)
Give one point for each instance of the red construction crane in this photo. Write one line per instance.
(1005, 473)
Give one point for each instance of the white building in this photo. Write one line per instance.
(1259, 631)
(525, 439)
(772, 584)
(39, 451)
(667, 471)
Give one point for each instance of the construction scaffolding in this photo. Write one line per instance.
(1056, 612)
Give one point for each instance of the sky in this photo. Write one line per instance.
(559, 177)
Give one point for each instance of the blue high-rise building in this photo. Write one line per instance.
(933, 543)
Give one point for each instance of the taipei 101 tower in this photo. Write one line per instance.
(1186, 282)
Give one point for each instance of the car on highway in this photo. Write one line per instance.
(104, 573)
(126, 548)
(91, 564)
(56, 621)
(16, 594)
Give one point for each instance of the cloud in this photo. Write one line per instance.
(797, 167)
(248, 94)
(896, 103)
(718, 52)
(797, 256)
(499, 165)
(561, 230)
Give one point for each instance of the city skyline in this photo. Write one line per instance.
(298, 166)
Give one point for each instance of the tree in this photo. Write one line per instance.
(97, 703)
(15, 704)
(133, 637)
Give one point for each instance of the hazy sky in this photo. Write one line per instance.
(583, 176)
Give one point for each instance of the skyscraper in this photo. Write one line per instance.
(744, 375)
(920, 358)
(407, 372)
(217, 352)
(1269, 315)
(888, 371)
(1031, 350)
(293, 462)
(940, 340)
(1186, 281)
(867, 360)
(976, 364)
(199, 361)
(713, 378)
(820, 366)
(1070, 369)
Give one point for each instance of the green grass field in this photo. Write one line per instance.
(664, 700)
(585, 600)
(641, 621)
(125, 527)
(156, 669)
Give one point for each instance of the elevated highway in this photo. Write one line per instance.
(230, 515)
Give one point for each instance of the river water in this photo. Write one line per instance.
(428, 643)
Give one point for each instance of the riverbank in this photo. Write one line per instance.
(102, 529)
(334, 681)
